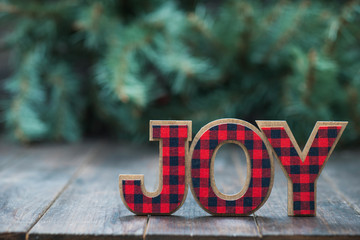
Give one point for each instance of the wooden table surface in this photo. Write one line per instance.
(58, 191)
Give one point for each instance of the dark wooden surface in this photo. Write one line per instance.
(71, 192)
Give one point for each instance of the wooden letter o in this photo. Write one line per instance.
(260, 170)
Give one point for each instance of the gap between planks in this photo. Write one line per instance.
(87, 157)
(146, 227)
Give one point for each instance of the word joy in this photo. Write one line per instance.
(182, 166)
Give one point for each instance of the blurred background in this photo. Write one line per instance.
(103, 68)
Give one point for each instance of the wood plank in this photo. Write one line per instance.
(191, 221)
(30, 184)
(91, 208)
(335, 219)
(343, 175)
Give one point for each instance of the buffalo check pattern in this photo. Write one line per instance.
(173, 138)
(260, 181)
(302, 174)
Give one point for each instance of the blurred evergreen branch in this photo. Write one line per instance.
(90, 66)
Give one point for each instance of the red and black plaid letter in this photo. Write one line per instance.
(302, 168)
(202, 150)
(174, 137)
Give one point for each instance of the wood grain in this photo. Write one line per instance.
(343, 176)
(335, 218)
(70, 192)
(91, 208)
(30, 183)
(192, 221)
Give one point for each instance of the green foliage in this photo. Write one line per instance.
(90, 66)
